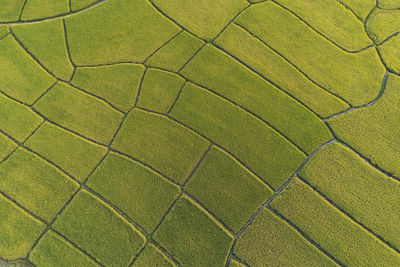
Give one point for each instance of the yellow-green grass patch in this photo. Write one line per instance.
(46, 42)
(142, 194)
(390, 52)
(205, 18)
(383, 24)
(81, 4)
(159, 90)
(35, 184)
(152, 256)
(6, 146)
(311, 52)
(269, 239)
(20, 76)
(161, 143)
(80, 112)
(40, 9)
(176, 53)
(332, 20)
(18, 230)
(68, 151)
(374, 131)
(259, 147)
(54, 250)
(192, 237)
(99, 230)
(10, 10)
(359, 189)
(3, 31)
(227, 77)
(234, 263)
(389, 4)
(228, 190)
(118, 84)
(117, 31)
(331, 229)
(250, 50)
(361, 8)
(17, 120)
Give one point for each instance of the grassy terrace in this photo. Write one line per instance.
(228, 133)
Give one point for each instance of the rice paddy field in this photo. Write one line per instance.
(202, 133)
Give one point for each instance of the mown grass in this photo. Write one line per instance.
(118, 84)
(35, 184)
(192, 237)
(142, 194)
(269, 239)
(53, 250)
(159, 90)
(46, 41)
(332, 230)
(258, 146)
(357, 188)
(224, 187)
(99, 230)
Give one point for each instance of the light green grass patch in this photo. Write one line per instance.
(389, 4)
(20, 76)
(40, 9)
(18, 120)
(332, 230)
(228, 190)
(359, 189)
(72, 153)
(333, 20)
(269, 239)
(117, 31)
(53, 250)
(46, 42)
(10, 10)
(239, 43)
(192, 237)
(205, 18)
(81, 4)
(258, 146)
(176, 53)
(159, 90)
(3, 31)
(152, 256)
(139, 192)
(225, 76)
(80, 112)
(390, 51)
(374, 131)
(118, 84)
(361, 8)
(6, 146)
(18, 230)
(311, 52)
(383, 23)
(161, 143)
(96, 228)
(35, 184)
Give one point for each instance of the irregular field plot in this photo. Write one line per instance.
(199, 133)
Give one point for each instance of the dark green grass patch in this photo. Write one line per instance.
(35, 184)
(96, 228)
(271, 240)
(72, 153)
(224, 187)
(331, 229)
(142, 194)
(258, 146)
(118, 84)
(159, 90)
(161, 143)
(18, 230)
(53, 250)
(192, 237)
(80, 112)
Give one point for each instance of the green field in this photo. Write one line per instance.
(205, 133)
